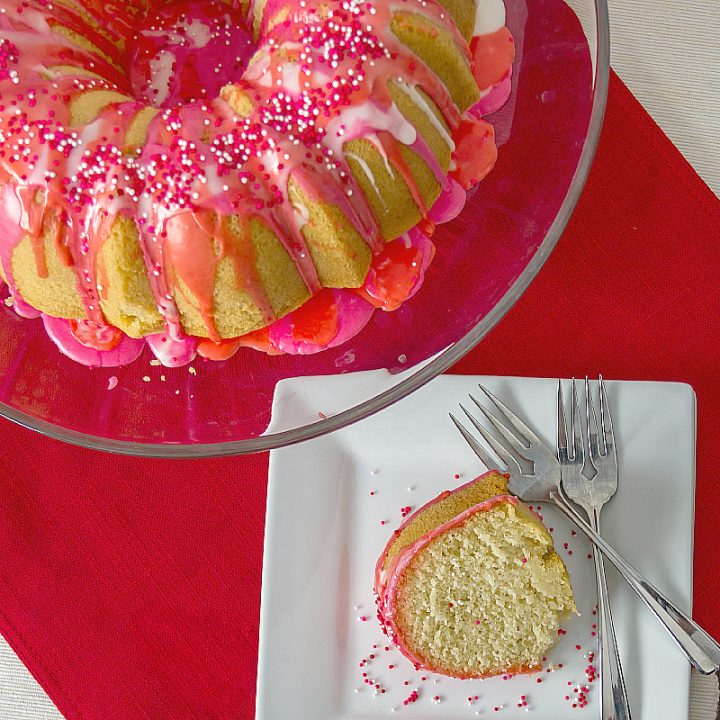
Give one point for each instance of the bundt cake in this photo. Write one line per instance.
(470, 585)
(200, 175)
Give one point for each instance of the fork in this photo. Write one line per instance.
(591, 495)
(520, 446)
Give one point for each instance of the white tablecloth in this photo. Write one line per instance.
(667, 52)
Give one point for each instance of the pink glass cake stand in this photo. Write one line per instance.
(547, 134)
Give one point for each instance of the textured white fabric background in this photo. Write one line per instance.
(667, 52)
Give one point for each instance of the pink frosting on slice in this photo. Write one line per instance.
(127, 350)
(380, 576)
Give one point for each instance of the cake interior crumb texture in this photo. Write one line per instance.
(485, 597)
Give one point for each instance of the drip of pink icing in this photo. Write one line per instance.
(60, 332)
(492, 55)
(222, 350)
(11, 236)
(397, 273)
(170, 352)
(449, 204)
(24, 310)
(345, 315)
(493, 100)
(475, 153)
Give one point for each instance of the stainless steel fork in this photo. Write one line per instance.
(515, 446)
(591, 495)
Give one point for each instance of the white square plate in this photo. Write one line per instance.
(333, 503)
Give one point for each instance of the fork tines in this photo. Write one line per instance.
(601, 440)
(514, 443)
(576, 452)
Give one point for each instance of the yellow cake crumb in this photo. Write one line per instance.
(486, 597)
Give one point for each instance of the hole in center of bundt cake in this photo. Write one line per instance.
(187, 50)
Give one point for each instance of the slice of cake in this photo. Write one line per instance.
(470, 585)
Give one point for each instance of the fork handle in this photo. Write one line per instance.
(615, 705)
(701, 650)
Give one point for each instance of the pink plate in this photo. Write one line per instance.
(486, 257)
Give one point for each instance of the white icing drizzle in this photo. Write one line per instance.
(290, 78)
(193, 32)
(354, 122)
(37, 177)
(288, 73)
(358, 122)
(422, 104)
(199, 32)
(489, 16)
(375, 140)
(369, 174)
(161, 70)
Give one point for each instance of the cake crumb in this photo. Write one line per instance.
(146, 378)
(192, 370)
(112, 382)
(155, 362)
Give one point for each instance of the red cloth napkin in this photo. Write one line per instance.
(131, 588)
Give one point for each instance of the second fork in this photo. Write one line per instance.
(591, 495)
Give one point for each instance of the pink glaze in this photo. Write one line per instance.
(494, 98)
(202, 162)
(221, 350)
(449, 204)
(61, 334)
(24, 310)
(351, 314)
(11, 223)
(476, 152)
(386, 600)
(171, 352)
(397, 273)
(492, 55)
